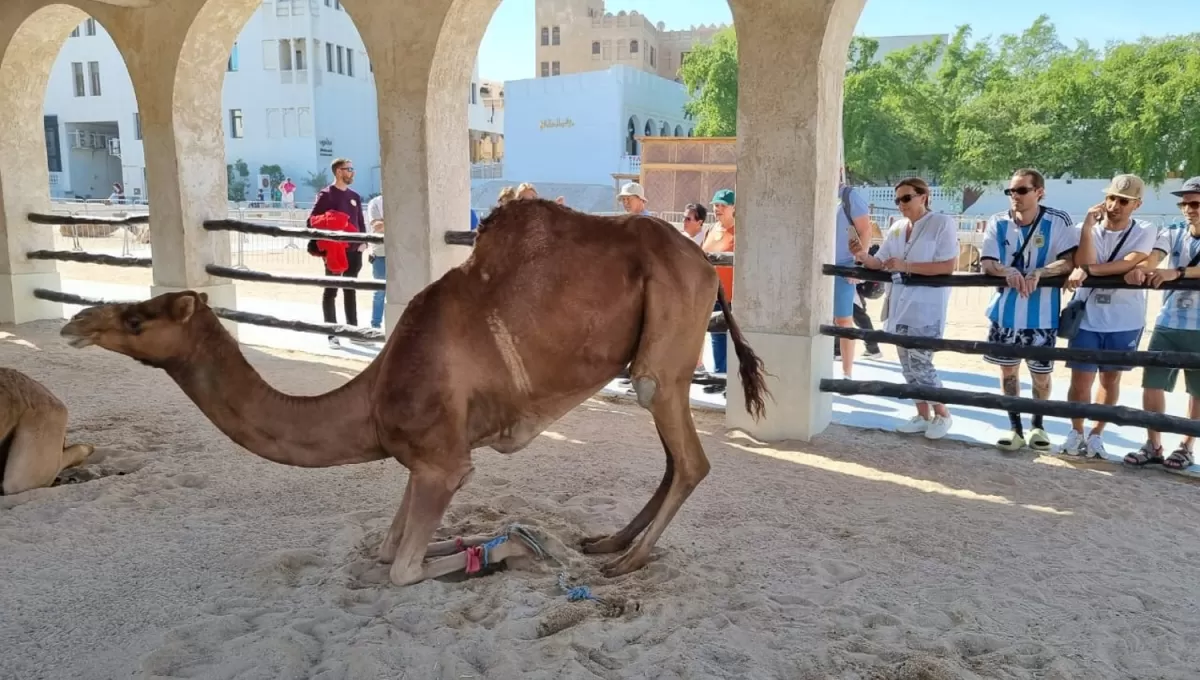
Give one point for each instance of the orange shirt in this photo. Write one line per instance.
(719, 240)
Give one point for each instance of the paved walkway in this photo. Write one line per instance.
(971, 425)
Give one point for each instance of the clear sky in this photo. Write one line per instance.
(507, 51)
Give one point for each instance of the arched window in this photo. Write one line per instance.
(595, 48)
(631, 143)
(678, 130)
(649, 128)
(665, 131)
(633, 47)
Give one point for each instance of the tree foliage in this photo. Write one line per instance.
(967, 112)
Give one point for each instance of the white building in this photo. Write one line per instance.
(298, 92)
(582, 128)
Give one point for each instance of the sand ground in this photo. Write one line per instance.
(856, 556)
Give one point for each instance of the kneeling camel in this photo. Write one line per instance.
(33, 433)
(551, 305)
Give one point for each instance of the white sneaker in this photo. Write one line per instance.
(938, 427)
(915, 425)
(1074, 446)
(1095, 446)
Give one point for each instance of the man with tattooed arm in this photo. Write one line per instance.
(1021, 246)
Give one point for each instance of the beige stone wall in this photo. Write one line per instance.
(583, 24)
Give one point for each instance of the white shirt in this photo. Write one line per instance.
(934, 239)
(1053, 236)
(375, 212)
(1110, 310)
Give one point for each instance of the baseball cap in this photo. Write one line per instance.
(723, 197)
(633, 189)
(1126, 186)
(1192, 186)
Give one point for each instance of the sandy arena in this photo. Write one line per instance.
(851, 557)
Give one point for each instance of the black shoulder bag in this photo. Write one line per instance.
(1072, 315)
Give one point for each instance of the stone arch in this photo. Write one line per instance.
(631, 134)
(678, 130)
(650, 128)
(29, 45)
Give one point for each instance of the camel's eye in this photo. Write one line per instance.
(134, 323)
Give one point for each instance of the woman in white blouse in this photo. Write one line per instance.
(922, 243)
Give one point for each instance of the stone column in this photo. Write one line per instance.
(176, 53)
(792, 56)
(423, 53)
(29, 44)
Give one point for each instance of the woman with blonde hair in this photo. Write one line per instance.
(506, 194)
(526, 190)
(924, 243)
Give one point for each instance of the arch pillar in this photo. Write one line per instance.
(29, 43)
(423, 53)
(792, 56)
(176, 52)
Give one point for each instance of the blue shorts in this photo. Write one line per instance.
(1124, 341)
(843, 298)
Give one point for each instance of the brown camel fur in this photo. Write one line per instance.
(551, 305)
(33, 432)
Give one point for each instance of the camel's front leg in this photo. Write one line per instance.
(432, 489)
(391, 541)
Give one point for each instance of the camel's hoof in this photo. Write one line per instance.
(624, 565)
(384, 555)
(602, 545)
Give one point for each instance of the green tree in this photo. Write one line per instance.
(710, 74)
(236, 180)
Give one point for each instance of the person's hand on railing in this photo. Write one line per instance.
(1077, 277)
(1136, 276)
(1158, 277)
(1015, 280)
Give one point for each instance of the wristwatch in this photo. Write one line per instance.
(1182, 272)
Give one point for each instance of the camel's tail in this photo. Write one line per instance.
(750, 367)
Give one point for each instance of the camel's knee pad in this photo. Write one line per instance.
(645, 388)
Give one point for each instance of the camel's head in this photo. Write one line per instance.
(153, 332)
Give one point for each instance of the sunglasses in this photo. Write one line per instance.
(1020, 191)
(906, 198)
(1191, 205)
(1119, 199)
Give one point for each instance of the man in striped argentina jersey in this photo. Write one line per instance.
(1177, 328)
(1021, 246)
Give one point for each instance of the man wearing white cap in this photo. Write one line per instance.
(633, 198)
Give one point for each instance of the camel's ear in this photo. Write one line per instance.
(182, 308)
(204, 298)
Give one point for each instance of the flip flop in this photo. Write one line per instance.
(1010, 442)
(1039, 440)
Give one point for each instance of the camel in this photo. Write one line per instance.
(33, 434)
(549, 307)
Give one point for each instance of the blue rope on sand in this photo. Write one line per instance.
(490, 546)
(577, 593)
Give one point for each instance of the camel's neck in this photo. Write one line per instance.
(335, 428)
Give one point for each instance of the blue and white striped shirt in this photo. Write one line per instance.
(1054, 236)
(1181, 308)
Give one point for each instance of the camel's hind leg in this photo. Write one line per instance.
(662, 371)
(37, 455)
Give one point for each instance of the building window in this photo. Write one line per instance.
(607, 50)
(341, 56)
(554, 68)
(474, 94)
(232, 65)
(595, 47)
(94, 77)
(235, 124)
(545, 69)
(74, 34)
(53, 149)
(545, 36)
(137, 125)
(300, 61)
(349, 62)
(554, 40)
(270, 55)
(77, 73)
(653, 61)
(329, 57)
(89, 27)
(622, 50)
(273, 124)
(304, 120)
(289, 122)
(633, 47)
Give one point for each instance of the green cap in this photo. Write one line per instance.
(723, 197)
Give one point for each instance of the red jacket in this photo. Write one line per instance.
(335, 251)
